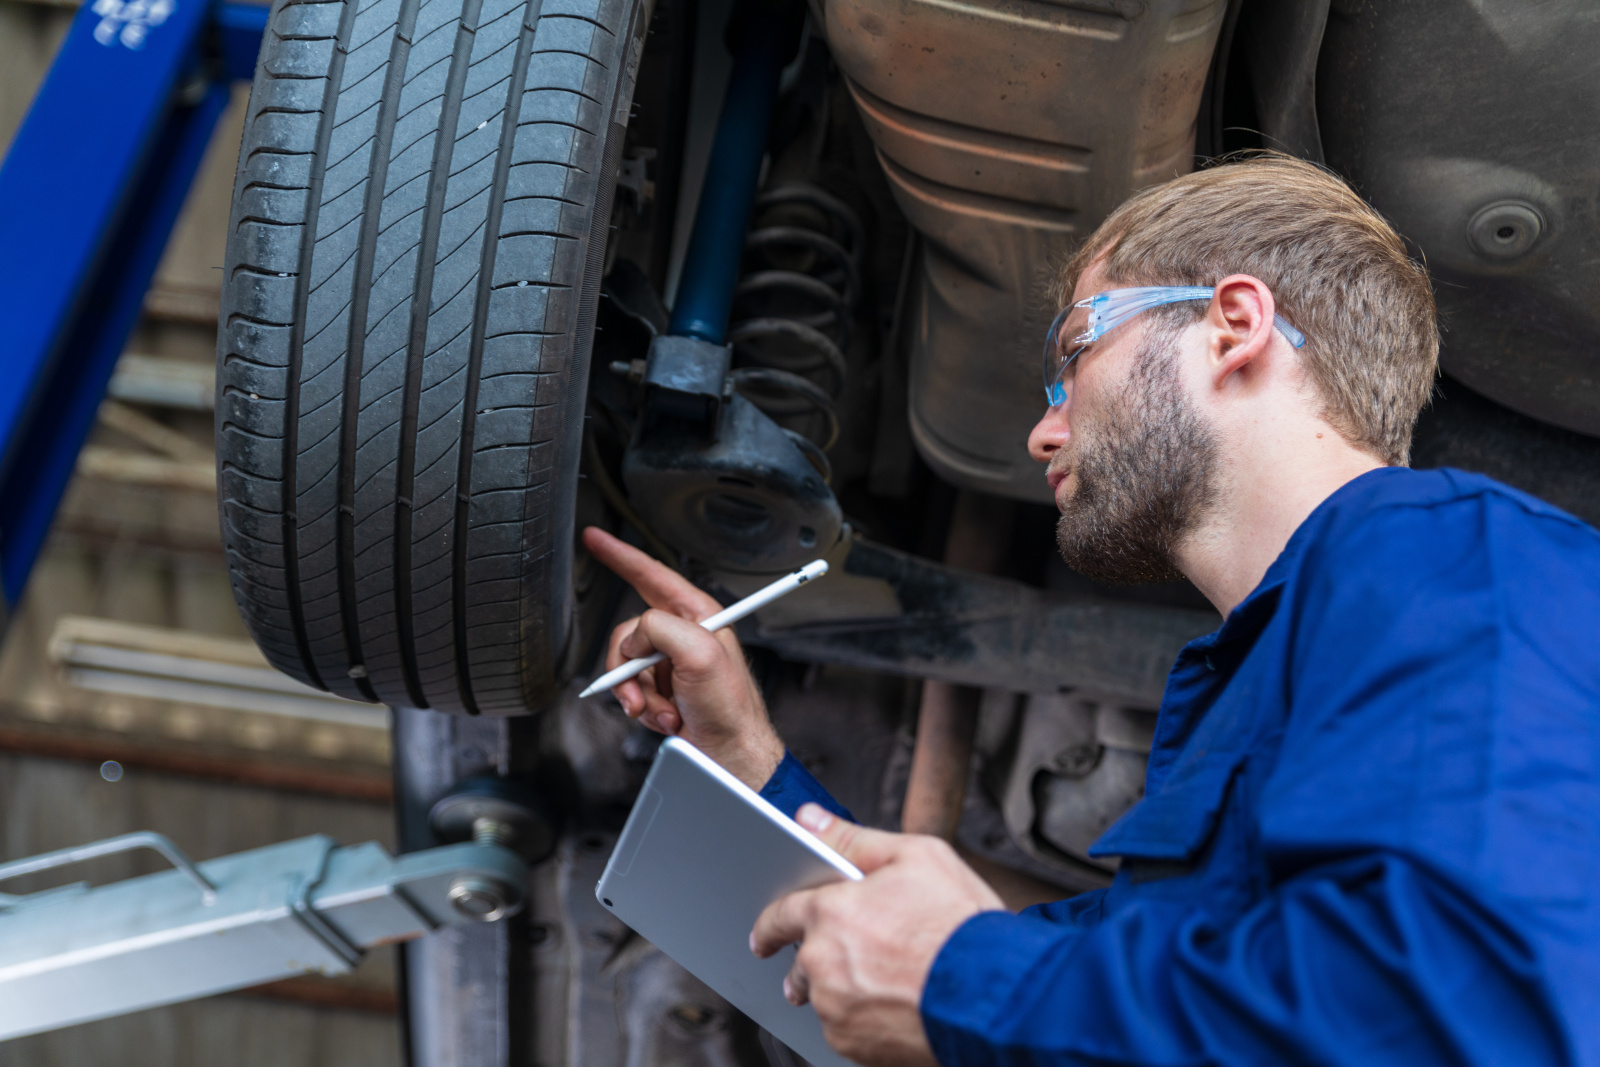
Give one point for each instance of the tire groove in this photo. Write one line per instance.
(480, 328)
(355, 350)
(291, 455)
(256, 220)
(421, 301)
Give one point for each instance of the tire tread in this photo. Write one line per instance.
(403, 337)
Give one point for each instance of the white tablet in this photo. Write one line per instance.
(700, 857)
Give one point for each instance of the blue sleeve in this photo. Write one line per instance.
(1367, 962)
(1424, 838)
(791, 785)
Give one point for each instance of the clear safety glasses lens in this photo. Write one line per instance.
(1056, 361)
(1111, 309)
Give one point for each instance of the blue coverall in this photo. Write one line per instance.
(1371, 828)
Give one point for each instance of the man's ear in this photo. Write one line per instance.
(1241, 316)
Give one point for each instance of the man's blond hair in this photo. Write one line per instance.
(1338, 270)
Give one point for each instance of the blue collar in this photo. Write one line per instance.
(1206, 664)
(1250, 617)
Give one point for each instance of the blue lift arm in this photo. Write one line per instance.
(91, 188)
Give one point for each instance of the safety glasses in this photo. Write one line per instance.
(1111, 309)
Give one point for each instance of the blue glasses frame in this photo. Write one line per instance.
(1111, 309)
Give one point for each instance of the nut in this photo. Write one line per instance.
(482, 899)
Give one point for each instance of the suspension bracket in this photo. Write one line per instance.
(685, 380)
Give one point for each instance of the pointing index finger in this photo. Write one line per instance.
(659, 585)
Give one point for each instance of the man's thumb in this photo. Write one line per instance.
(867, 849)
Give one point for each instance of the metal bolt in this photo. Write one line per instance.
(481, 899)
(492, 832)
(633, 370)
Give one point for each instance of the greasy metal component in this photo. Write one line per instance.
(710, 471)
(846, 596)
(1008, 130)
(1467, 124)
(684, 379)
(994, 633)
(979, 535)
(1079, 765)
(785, 389)
(751, 501)
(1020, 872)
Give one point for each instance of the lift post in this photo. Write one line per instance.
(93, 183)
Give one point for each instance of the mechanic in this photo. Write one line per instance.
(1371, 829)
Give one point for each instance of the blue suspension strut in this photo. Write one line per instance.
(716, 244)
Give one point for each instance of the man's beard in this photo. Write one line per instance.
(1146, 483)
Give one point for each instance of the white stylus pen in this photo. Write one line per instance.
(726, 617)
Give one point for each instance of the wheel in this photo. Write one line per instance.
(412, 273)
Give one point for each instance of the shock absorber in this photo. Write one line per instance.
(710, 472)
(793, 308)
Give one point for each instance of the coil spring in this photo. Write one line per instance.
(794, 306)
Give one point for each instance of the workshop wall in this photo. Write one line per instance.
(349, 1022)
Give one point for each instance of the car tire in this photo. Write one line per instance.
(399, 399)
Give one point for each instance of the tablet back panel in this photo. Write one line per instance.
(700, 857)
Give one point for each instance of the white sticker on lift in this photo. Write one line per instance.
(129, 22)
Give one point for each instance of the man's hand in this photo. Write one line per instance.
(703, 692)
(866, 947)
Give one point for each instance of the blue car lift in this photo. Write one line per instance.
(89, 193)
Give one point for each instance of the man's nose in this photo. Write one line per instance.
(1051, 432)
